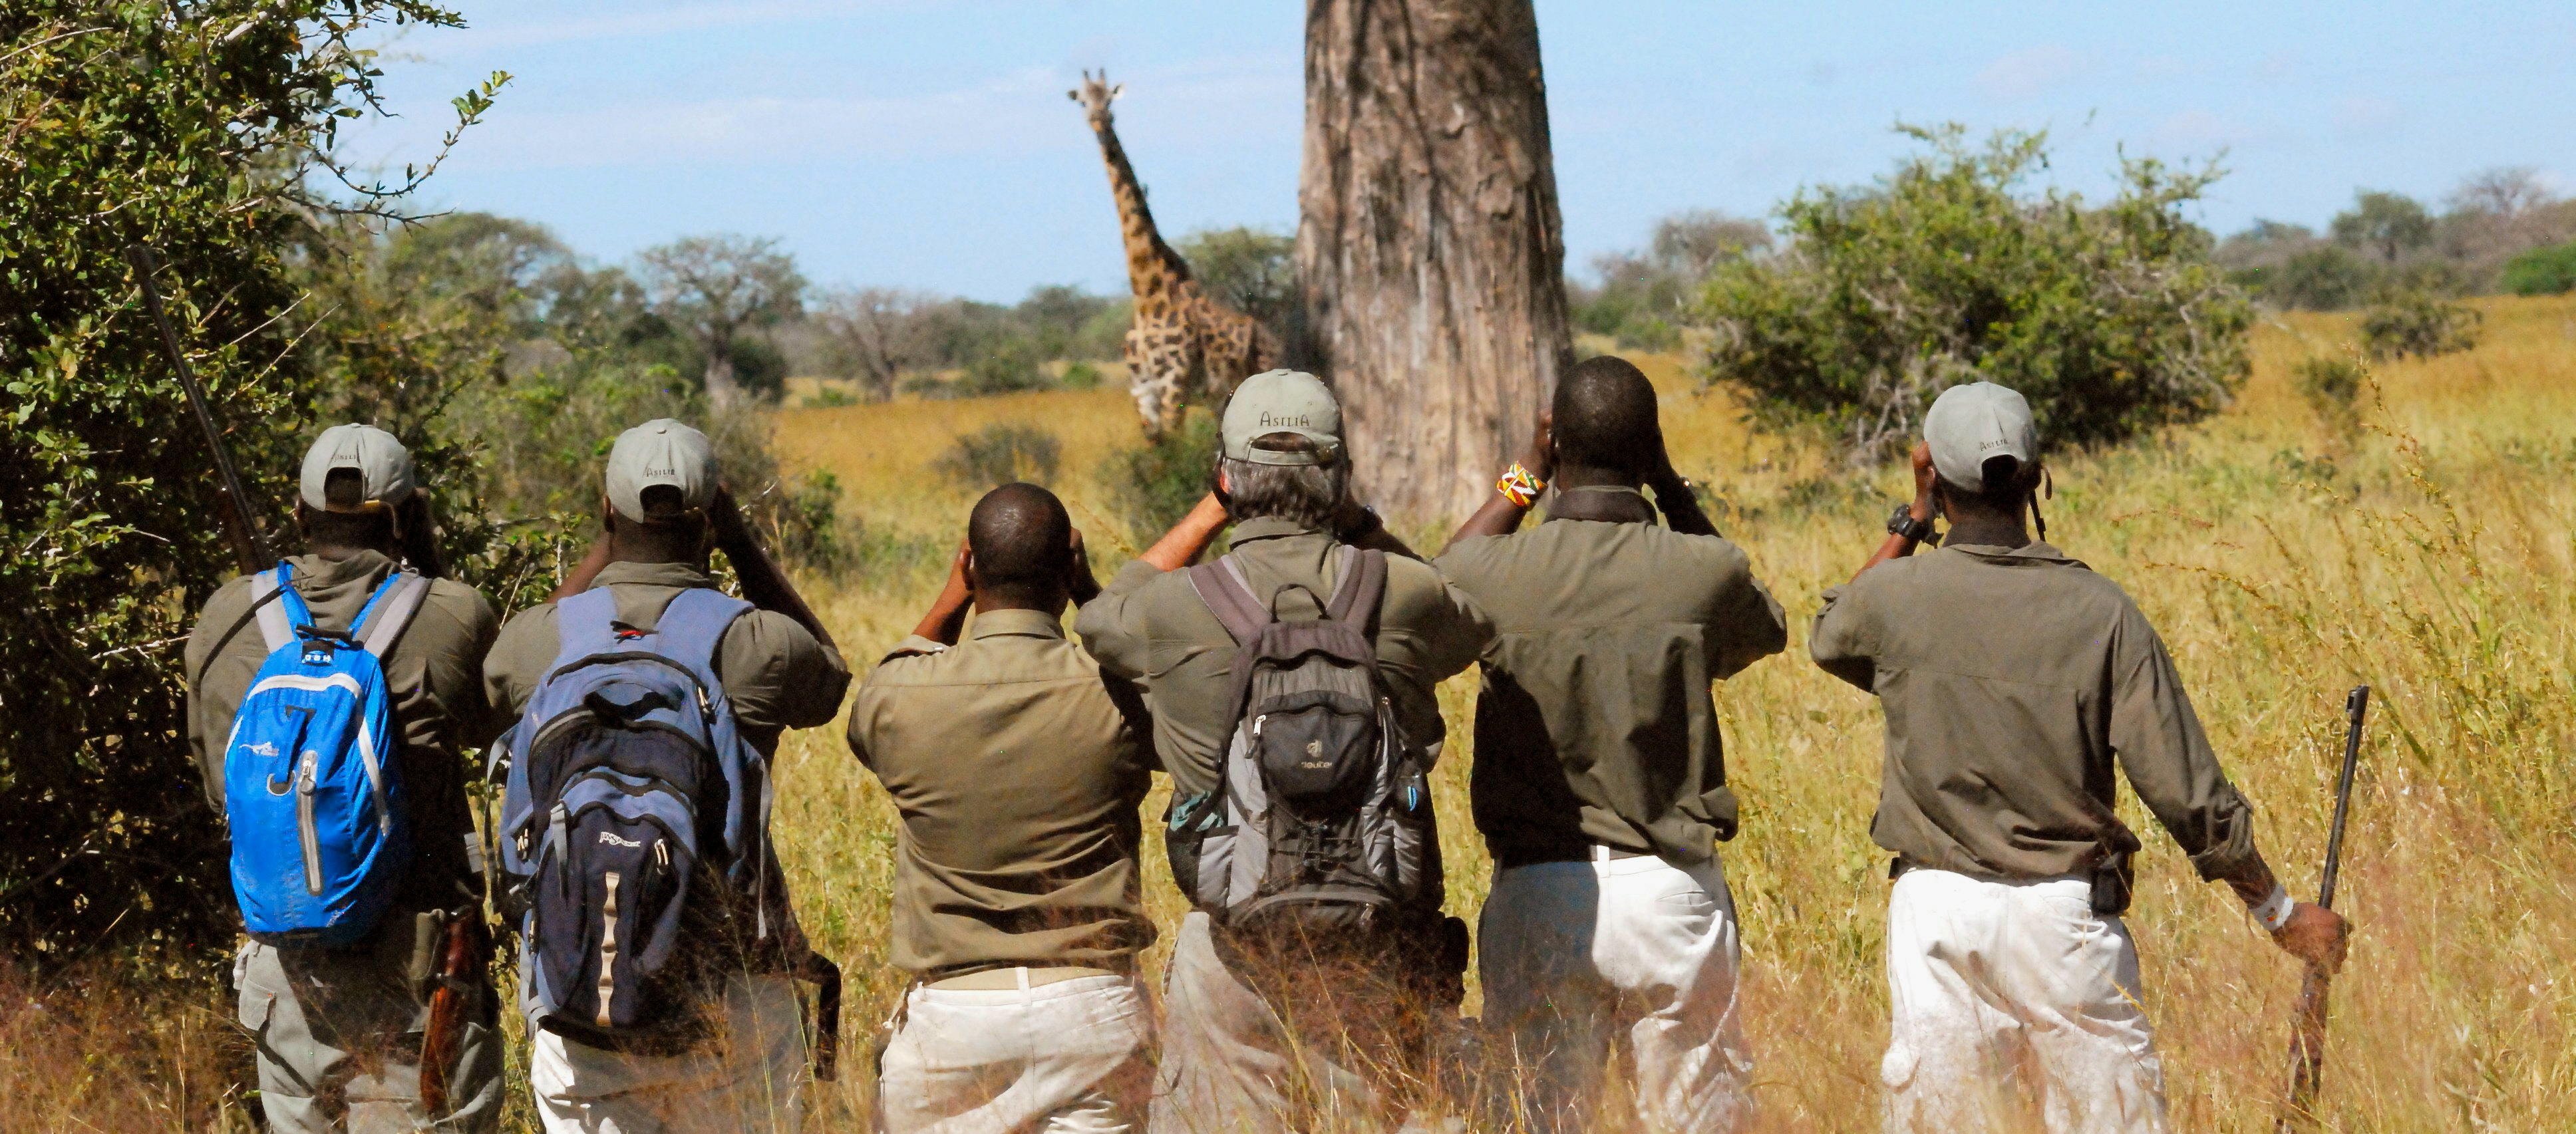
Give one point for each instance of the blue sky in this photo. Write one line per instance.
(929, 144)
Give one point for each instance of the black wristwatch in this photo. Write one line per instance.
(1904, 524)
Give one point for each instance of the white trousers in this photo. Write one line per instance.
(1571, 951)
(749, 1079)
(997, 1061)
(2009, 993)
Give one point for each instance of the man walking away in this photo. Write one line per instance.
(656, 972)
(1600, 783)
(338, 1025)
(1017, 767)
(2013, 677)
(1272, 1027)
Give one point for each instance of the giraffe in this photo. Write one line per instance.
(1183, 344)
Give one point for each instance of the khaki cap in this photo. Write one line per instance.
(660, 452)
(1975, 423)
(382, 464)
(1282, 401)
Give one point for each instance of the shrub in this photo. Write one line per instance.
(1009, 366)
(1153, 485)
(2542, 271)
(2418, 324)
(2111, 320)
(999, 454)
(1080, 376)
(2332, 388)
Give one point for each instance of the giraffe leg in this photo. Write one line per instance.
(1144, 381)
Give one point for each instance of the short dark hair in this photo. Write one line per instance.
(1020, 536)
(1605, 417)
(2008, 484)
(1305, 494)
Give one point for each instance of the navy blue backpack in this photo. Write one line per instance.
(634, 827)
(313, 787)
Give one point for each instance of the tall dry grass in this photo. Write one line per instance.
(2283, 558)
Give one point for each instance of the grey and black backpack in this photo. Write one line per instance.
(1321, 818)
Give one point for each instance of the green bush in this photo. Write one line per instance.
(2542, 271)
(2418, 324)
(1153, 485)
(1000, 454)
(2112, 320)
(1009, 366)
(2331, 386)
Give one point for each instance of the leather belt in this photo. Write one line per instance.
(1005, 975)
(1594, 853)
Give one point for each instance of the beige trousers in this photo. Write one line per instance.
(2007, 995)
(748, 1080)
(339, 1033)
(1056, 1058)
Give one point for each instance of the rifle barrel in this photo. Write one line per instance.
(2356, 705)
(239, 530)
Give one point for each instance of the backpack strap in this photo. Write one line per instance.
(1363, 583)
(279, 609)
(391, 612)
(694, 624)
(585, 624)
(1221, 585)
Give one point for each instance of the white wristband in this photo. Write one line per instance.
(2274, 911)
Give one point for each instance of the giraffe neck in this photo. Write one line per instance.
(1152, 267)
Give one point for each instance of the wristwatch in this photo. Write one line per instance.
(1904, 524)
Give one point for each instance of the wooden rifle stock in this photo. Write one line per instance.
(239, 528)
(459, 958)
(2308, 1023)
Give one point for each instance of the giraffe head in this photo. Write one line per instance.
(1095, 94)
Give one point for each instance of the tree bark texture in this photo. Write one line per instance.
(1430, 257)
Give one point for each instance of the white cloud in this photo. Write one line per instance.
(2362, 114)
(2023, 74)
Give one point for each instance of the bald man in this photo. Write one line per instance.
(1017, 767)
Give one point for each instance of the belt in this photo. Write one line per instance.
(992, 977)
(1594, 853)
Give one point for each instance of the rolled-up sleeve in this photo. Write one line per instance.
(1113, 623)
(2169, 762)
(1750, 624)
(1838, 641)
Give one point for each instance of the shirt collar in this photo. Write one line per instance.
(1016, 624)
(317, 571)
(2034, 550)
(1270, 527)
(652, 574)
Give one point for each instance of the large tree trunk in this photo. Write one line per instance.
(1429, 257)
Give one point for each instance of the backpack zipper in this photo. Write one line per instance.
(305, 826)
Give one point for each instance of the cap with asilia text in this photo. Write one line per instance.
(1282, 401)
(382, 464)
(660, 452)
(1975, 423)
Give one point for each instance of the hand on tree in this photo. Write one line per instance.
(2316, 935)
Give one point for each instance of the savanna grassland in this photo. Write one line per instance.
(2424, 545)
(2428, 553)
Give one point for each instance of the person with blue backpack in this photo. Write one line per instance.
(658, 950)
(329, 701)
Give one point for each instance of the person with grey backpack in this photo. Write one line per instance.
(658, 950)
(1291, 687)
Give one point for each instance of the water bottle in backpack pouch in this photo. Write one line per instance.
(1321, 820)
(634, 826)
(313, 789)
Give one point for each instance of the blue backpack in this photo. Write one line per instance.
(312, 784)
(634, 827)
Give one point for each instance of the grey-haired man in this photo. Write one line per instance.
(1250, 1045)
(2013, 678)
(338, 1030)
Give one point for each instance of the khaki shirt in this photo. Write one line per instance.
(776, 675)
(432, 673)
(1017, 767)
(2011, 679)
(1595, 724)
(1150, 627)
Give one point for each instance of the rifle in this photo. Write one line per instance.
(826, 978)
(459, 960)
(239, 528)
(2308, 1025)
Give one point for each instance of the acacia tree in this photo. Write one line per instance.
(1429, 258)
(877, 333)
(715, 288)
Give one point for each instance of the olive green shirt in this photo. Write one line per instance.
(1595, 725)
(1017, 767)
(1150, 627)
(432, 673)
(2011, 680)
(775, 674)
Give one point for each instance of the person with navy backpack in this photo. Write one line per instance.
(658, 950)
(329, 700)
